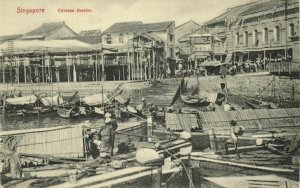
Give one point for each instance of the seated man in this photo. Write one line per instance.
(235, 132)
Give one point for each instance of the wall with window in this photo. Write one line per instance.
(117, 38)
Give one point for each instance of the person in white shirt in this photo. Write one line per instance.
(235, 131)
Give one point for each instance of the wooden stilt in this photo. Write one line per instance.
(128, 66)
(102, 63)
(96, 66)
(3, 73)
(156, 181)
(43, 71)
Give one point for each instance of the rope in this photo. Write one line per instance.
(184, 167)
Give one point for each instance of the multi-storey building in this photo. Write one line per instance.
(264, 31)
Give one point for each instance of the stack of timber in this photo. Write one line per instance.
(251, 119)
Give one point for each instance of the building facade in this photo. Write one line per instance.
(262, 31)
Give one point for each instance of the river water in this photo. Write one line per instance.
(20, 122)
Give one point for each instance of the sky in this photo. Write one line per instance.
(106, 12)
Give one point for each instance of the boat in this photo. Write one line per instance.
(65, 144)
(39, 111)
(66, 112)
(258, 104)
(14, 106)
(194, 101)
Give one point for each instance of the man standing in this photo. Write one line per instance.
(107, 134)
(235, 131)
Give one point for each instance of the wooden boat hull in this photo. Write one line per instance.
(193, 101)
(67, 113)
(39, 112)
(257, 104)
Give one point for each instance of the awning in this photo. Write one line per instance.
(49, 101)
(22, 100)
(211, 64)
(96, 99)
(200, 55)
(121, 99)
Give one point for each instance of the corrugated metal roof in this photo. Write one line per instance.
(184, 122)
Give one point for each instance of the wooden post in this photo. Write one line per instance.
(42, 69)
(141, 65)
(270, 62)
(96, 66)
(25, 81)
(123, 66)
(68, 73)
(156, 181)
(128, 65)
(212, 138)
(74, 73)
(149, 127)
(30, 75)
(3, 72)
(102, 63)
(1, 169)
(265, 60)
(154, 65)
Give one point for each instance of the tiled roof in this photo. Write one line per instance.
(137, 27)
(246, 9)
(45, 29)
(86, 39)
(150, 36)
(90, 33)
(9, 37)
(125, 27)
(234, 11)
(191, 21)
(160, 26)
(263, 6)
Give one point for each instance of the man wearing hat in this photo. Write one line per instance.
(141, 108)
(107, 137)
(235, 131)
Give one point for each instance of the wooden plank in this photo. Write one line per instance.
(270, 169)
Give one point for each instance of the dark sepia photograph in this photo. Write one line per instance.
(149, 94)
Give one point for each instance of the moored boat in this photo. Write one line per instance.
(258, 104)
(66, 112)
(194, 101)
(39, 111)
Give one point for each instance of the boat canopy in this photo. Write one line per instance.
(211, 64)
(52, 101)
(96, 99)
(31, 99)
